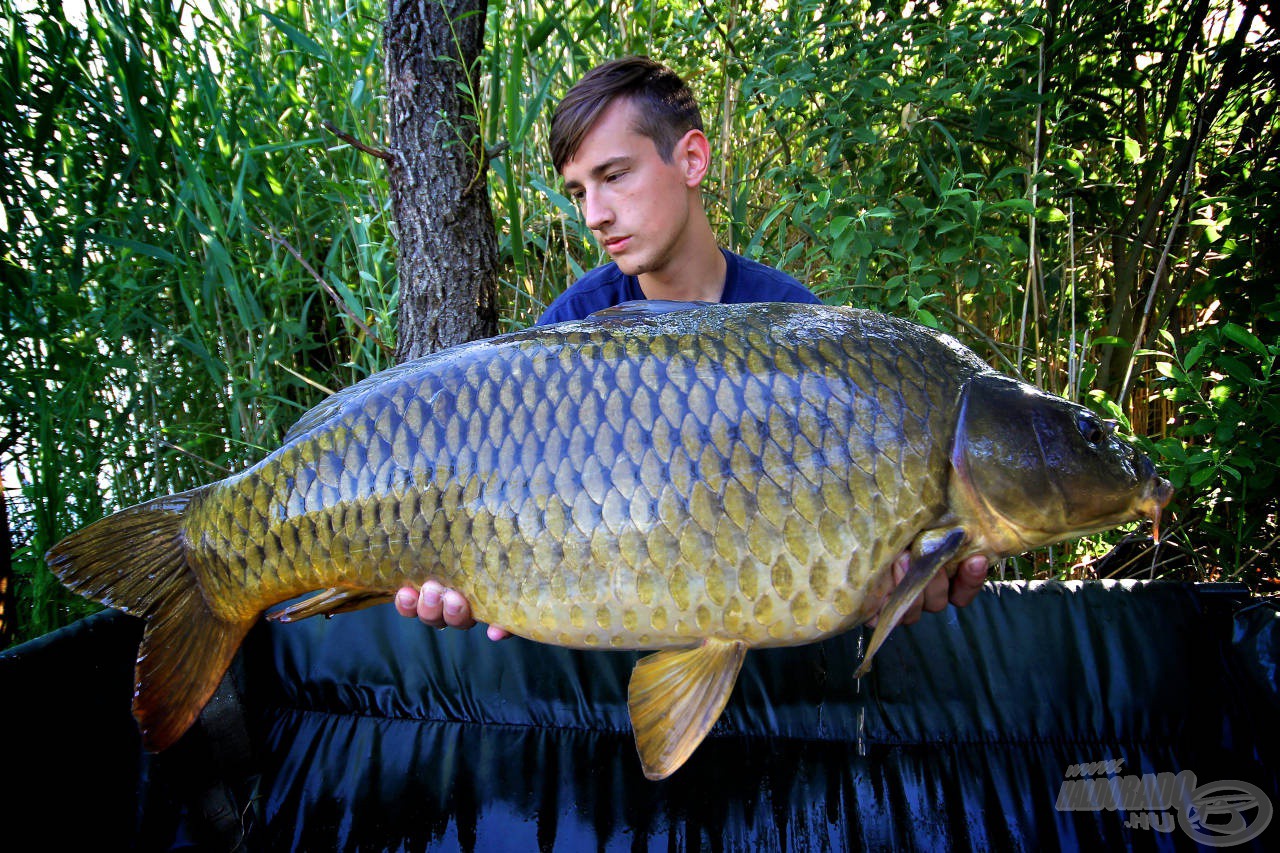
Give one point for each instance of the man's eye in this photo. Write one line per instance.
(613, 176)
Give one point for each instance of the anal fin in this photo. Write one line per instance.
(929, 553)
(675, 697)
(331, 601)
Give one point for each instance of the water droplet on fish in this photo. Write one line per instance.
(857, 679)
(861, 747)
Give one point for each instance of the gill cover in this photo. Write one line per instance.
(1033, 468)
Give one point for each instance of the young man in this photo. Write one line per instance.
(628, 141)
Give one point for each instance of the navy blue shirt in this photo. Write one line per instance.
(606, 286)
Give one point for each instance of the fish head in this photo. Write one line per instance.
(1031, 469)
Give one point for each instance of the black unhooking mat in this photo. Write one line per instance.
(1043, 716)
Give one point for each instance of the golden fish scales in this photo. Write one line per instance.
(701, 480)
(605, 491)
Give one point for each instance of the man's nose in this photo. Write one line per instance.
(597, 214)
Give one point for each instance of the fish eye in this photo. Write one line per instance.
(1093, 430)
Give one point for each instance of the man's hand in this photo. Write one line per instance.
(941, 591)
(439, 607)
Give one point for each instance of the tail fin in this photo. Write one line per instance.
(136, 561)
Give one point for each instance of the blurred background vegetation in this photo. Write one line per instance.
(1082, 191)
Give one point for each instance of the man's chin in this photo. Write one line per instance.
(631, 266)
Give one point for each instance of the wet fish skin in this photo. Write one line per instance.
(667, 488)
(716, 479)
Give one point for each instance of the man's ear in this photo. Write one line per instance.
(693, 153)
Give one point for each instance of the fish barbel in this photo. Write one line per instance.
(698, 480)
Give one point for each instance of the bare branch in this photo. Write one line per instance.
(333, 294)
(356, 143)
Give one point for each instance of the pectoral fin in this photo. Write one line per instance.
(329, 602)
(929, 553)
(675, 697)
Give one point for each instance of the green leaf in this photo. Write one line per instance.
(1243, 337)
(1172, 450)
(300, 39)
(141, 248)
(1017, 205)
(838, 226)
(1236, 369)
(1202, 476)
(559, 199)
(1194, 354)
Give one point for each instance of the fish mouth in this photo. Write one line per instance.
(1150, 505)
(1004, 535)
(1157, 495)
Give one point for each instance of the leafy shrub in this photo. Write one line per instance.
(1223, 454)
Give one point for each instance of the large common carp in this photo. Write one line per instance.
(700, 481)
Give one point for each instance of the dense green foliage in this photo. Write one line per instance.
(158, 330)
(1081, 191)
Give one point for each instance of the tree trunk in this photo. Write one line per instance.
(447, 248)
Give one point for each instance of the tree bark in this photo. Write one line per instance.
(448, 254)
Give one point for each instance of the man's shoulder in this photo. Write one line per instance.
(759, 282)
(601, 288)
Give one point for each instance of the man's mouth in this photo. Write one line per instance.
(613, 245)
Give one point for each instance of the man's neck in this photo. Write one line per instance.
(698, 277)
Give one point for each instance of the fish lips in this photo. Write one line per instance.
(1159, 492)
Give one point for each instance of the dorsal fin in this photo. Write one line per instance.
(326, 408)
(638, 308)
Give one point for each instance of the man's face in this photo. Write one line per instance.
(635, 204)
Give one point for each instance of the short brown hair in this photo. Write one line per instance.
(667, 109)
